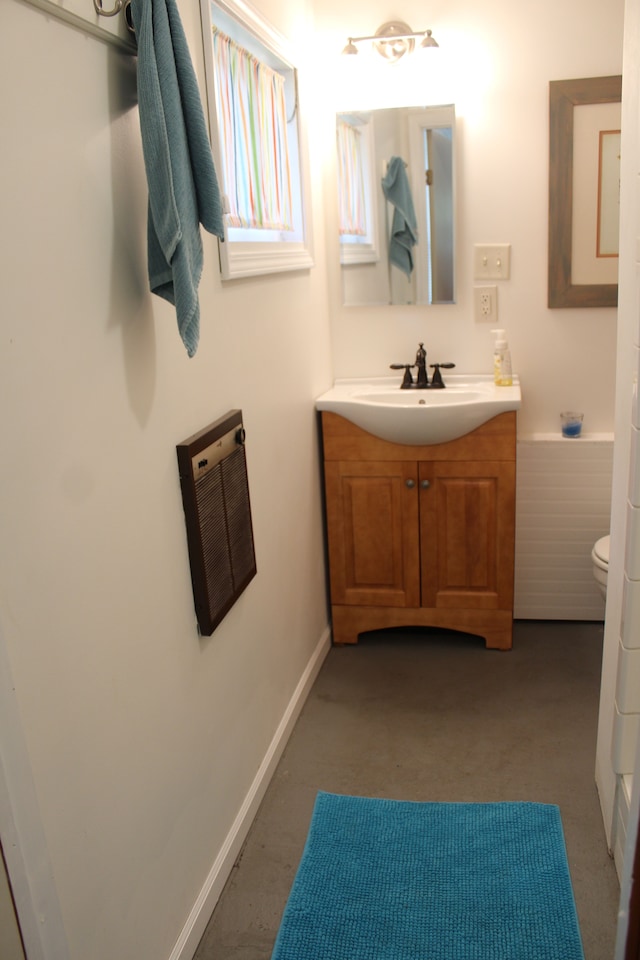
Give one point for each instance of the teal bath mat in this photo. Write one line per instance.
(396, 880)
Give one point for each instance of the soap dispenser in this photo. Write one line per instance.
(502, 373)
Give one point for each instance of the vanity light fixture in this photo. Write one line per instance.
(392, 40)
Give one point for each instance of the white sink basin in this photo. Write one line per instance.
(413, 416)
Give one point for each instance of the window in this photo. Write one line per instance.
(254, 119)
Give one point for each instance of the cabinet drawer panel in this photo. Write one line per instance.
(372, 511)
(465, 520)
(467, 528)
(373, 530)
(494, 440)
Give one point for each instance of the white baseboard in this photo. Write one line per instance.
(202, 909)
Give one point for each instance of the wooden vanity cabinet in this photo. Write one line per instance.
(421, 535)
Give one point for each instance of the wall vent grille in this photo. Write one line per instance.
(215, 496)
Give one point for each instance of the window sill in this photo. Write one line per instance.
(256, 259)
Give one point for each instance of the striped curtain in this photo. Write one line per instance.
(250, 105)
(352, 212)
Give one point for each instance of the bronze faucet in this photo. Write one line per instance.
(422, 380)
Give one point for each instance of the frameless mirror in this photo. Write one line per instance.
(396, 196)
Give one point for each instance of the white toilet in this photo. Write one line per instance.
(600, 560)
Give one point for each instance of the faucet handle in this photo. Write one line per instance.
(436, 379)
(407, 380)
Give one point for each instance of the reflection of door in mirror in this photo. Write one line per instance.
(439, 199)
(423, 138)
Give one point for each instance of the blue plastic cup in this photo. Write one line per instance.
(571, 423)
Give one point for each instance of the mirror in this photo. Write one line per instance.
(396, 193)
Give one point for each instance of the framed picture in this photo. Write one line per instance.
(584, 182)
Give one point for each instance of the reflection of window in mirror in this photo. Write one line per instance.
(256, 139)
(357, 207)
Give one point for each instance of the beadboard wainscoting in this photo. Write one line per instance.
(563, 503)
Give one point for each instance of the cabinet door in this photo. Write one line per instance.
(467, 524)
(373, 531)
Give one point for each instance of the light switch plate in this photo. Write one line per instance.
(491, 261)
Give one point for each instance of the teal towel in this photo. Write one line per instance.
(404, 228)
(183, 187)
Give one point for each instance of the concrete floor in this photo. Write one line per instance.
(425, 715)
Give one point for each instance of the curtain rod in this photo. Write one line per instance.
(75, 20)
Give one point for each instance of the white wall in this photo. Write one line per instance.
(501, 58)
(143, 739)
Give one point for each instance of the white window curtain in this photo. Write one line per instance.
(351, 181)
(250, 104)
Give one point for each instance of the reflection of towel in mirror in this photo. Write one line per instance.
(183, 188)
(404, 228)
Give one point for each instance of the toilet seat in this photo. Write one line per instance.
(600, 553)
(600, 564)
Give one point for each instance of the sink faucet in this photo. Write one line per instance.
(422, 380)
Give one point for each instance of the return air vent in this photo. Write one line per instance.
(215, 495)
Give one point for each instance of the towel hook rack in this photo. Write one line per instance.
(121, 6)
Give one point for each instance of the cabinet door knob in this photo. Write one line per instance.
(410, 483)
(425, 484)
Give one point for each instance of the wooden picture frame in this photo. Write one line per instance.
(564, 95)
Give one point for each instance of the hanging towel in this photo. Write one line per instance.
(404, 228)
(183, 187)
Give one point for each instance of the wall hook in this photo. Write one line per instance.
(121, 6)
(97, 4)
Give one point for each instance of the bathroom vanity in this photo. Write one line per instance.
(421, 534)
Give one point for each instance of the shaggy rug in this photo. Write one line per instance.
(398, 880)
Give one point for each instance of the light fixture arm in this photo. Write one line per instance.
(392, 40)
(396, 36)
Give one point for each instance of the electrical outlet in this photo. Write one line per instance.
(485, 301)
